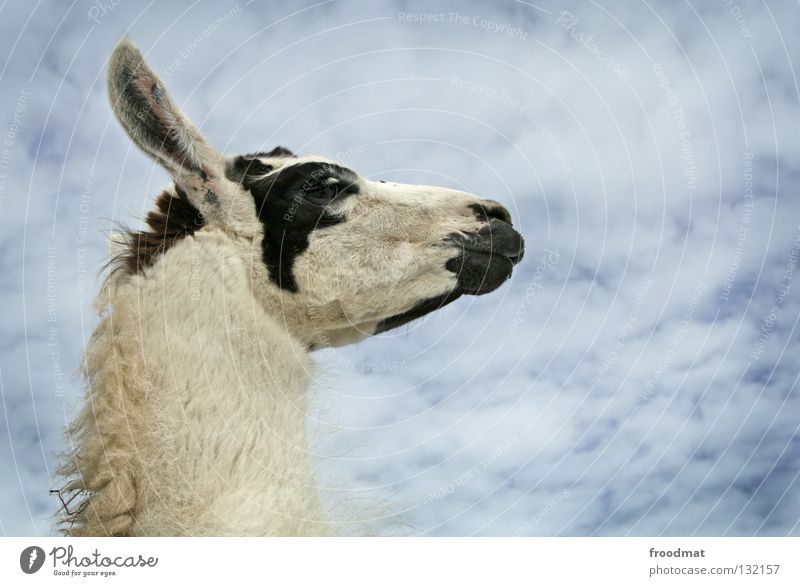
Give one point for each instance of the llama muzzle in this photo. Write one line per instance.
(487, 257)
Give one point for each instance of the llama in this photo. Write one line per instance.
(198, 372)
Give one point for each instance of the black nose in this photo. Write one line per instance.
(500, 238)
(487, 257)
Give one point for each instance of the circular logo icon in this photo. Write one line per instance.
(31, 559)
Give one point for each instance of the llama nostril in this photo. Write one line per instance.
(501, 214)
(515, 258)
(492, 209)
(516, 248)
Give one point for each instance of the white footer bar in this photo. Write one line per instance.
(402, 561)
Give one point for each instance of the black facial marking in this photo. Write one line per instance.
(278, 151)
(288, 208)
(423, 308)
(252, 165)
(245, 165)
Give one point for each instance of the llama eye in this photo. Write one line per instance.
(322, 194)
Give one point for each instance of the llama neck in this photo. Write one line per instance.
(214, 393)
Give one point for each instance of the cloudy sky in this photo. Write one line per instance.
(639, 373)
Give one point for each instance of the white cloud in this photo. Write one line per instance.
(625, 185)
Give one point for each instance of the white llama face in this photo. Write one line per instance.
(353, 254)
(342, 256)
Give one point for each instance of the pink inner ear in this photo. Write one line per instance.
(162, 112)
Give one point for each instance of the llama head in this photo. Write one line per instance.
(339, 256)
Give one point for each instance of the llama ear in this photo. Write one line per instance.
(157, 126)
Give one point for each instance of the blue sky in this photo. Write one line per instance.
(637, 376)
